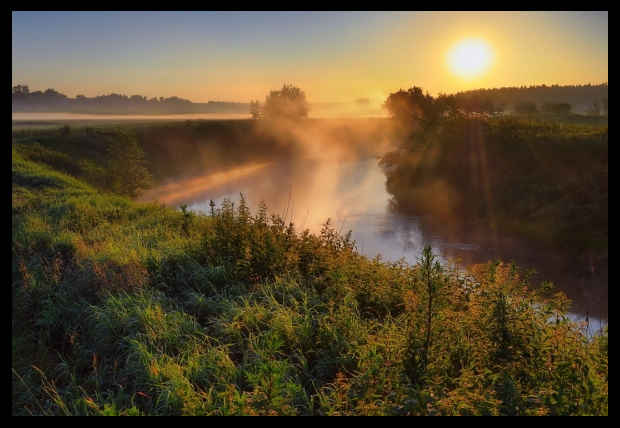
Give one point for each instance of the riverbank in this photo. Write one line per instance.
(128, 308)
(327, 169)
(540, 181)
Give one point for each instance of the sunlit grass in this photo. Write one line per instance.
(123, 308)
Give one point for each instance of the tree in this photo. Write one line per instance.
(526, 107)
(21, 90)
(53, 94)
(413, 107)
(127, 165)
(476, 102)
(448, 104)
(287, 103)
(557, 108)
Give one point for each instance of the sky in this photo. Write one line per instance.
(332, 56)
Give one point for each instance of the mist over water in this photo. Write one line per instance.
(329, 169)
(338, 110)
(328, 180)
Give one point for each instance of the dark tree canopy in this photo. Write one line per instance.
(416, 108)
(20, 90)
(126, 161)
(577, 96)
(289, 103)
(557, 108)
(409, 105)
(526, 107)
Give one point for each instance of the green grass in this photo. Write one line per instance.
(121, 308)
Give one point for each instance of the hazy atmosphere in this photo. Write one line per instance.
(333, 56)
(309, 213)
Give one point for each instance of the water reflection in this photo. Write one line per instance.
(308, 191)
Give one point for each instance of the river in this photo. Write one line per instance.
(352, 194)
(332, 181)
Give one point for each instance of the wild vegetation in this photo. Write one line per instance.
(191, 148)
(125, 308)
(289, 103)
(542, 178)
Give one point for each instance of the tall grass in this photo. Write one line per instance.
(122, 308)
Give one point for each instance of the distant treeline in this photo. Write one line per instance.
(588, 98)
(51, 100)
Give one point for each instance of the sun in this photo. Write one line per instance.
(470, 57)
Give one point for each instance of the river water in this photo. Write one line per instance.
(352, 194)
(329, 182)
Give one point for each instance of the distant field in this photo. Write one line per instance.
(19, 125)
(41, 121)
(55, 120)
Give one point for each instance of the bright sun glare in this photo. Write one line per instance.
(470, 57)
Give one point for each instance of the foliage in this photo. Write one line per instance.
(126, 165)
(575, 95)
(287, 103)
(122, 308)
(557, 108)
(541, 180)
(415, 107)
(82, 154)
(526, 107)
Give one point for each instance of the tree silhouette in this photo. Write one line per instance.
(557, 108)
(287, 103)
(21, 90)
(526, 107)
(416, 108)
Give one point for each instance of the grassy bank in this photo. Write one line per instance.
(539, 180)
(181, 149)
(121, 308)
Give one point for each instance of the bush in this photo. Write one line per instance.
(126, 166)
(287, 103)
